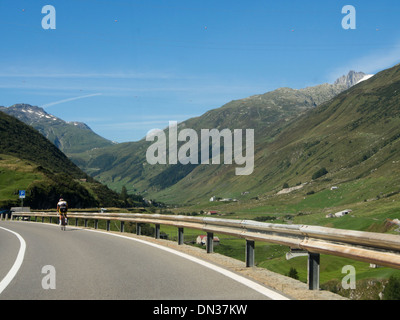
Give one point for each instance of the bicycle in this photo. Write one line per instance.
(63, 221)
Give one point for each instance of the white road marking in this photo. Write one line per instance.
(17, 264)
(249, 283)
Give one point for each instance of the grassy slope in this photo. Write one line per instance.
(20, 140)
(15, 175)
(44, 188)
(30, 162)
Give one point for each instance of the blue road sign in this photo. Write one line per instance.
(22, 194)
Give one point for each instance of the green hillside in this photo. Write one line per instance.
(267, 114)
(354, 136)
(28, 161)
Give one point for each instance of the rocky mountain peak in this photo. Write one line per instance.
(28, 113)
(351, 79)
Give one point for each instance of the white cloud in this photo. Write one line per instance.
(371, 63)
(68, 100)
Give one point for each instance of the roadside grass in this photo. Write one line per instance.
(16, 175)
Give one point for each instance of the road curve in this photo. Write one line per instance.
(82, 265)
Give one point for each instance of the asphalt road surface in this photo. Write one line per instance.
(39, 261)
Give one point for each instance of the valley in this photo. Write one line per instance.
(317, 151)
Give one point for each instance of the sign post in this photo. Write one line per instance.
(22, 197)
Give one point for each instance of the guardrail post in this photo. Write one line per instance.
(138, 229)
(180, 236)
(157, 232)
(250, 253)
(313, 271)
(76, 222)
(86, 222)
(42, 219)
(96, 223)
(51, 220)
(210, 242)
(122, 226)
(108, 225)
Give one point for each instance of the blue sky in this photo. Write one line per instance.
(125, 67)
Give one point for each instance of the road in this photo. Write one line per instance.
(41, 262)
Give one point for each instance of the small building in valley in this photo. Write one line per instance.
(212, 213)
(202, 239)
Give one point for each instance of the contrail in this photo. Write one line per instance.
(70, 99)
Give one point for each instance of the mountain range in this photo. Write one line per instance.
(298, 132)
(268, 114)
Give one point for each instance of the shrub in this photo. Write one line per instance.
(293, 273)
(392, 289)
(320, 173)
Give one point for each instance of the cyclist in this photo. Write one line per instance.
(62, 209)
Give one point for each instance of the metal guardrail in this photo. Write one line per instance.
(375, 248)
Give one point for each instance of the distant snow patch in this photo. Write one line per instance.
(366, 77)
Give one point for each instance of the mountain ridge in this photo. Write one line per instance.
(69, 137)
(267, 114)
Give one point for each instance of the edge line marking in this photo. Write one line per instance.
(17, 264)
